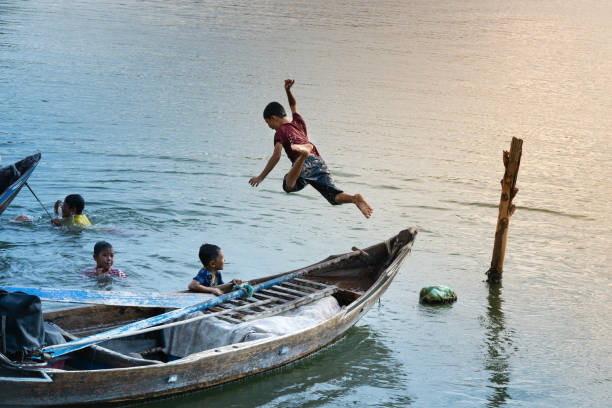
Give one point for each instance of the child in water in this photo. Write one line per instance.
(72, 212)
(104, 255)
(209, 276)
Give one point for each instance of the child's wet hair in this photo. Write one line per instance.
(101, 246)
(75, 201)
(208, 252)
(274, 109)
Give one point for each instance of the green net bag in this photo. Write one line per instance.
(437, 294)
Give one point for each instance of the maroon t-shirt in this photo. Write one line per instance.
(294, 132)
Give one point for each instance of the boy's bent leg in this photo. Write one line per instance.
(358, 200)
(296, 168)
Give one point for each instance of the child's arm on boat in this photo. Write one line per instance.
(196, 286)
(276, 154)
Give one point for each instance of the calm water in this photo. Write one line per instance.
(152, 111)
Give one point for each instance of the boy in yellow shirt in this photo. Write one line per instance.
(72, 212)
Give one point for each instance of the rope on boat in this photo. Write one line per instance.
(247, 288)
(40, 202)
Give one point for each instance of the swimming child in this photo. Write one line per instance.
(72, 212)
(209, 276)
(307, 166)
(104, 255)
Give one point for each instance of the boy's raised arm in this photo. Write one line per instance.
(288, 84)
(276, 155)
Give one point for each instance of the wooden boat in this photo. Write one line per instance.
(13, 178)
(86, 371)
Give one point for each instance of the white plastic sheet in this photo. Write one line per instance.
(210, 333)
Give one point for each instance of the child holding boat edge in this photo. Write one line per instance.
(209, 276)
(307, 166)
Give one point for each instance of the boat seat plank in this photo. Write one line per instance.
(307, 282)
(293, 304)
(299, 288)
(280, 295)
(288, 291)
(262, 296)
(234, 314)
(237, 302)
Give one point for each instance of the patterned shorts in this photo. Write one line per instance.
(315, 172)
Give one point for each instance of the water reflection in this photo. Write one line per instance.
(358, 369)
(498, 342)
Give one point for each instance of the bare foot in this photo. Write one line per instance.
(303, 150)
(363, 206)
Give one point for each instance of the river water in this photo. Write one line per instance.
(152, 111)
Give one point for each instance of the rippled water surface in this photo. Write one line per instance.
(152, 111)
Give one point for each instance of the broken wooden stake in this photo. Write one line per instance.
(512, 161)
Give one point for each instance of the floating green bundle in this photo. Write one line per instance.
(437, 294)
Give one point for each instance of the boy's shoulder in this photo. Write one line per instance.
(81, 219)
(203, 273)
(78, 220)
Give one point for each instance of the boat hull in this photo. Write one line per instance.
(196, 371)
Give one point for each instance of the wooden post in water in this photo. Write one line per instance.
(512, 161)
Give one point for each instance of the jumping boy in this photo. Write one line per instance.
(209, 276)
(72, 212)
(308, 166)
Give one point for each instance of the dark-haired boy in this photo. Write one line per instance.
(104, 255)
(308, 166)
(72, 212)
(209, 276)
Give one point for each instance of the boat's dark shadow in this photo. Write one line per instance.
(356, 367)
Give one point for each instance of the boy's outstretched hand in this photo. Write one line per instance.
(254, 181)
(289, 83)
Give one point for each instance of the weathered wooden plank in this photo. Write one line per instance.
(307, 282)
(292, 304)
(289, 291)
(298, 287)
(261, 296)
(279, 294)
